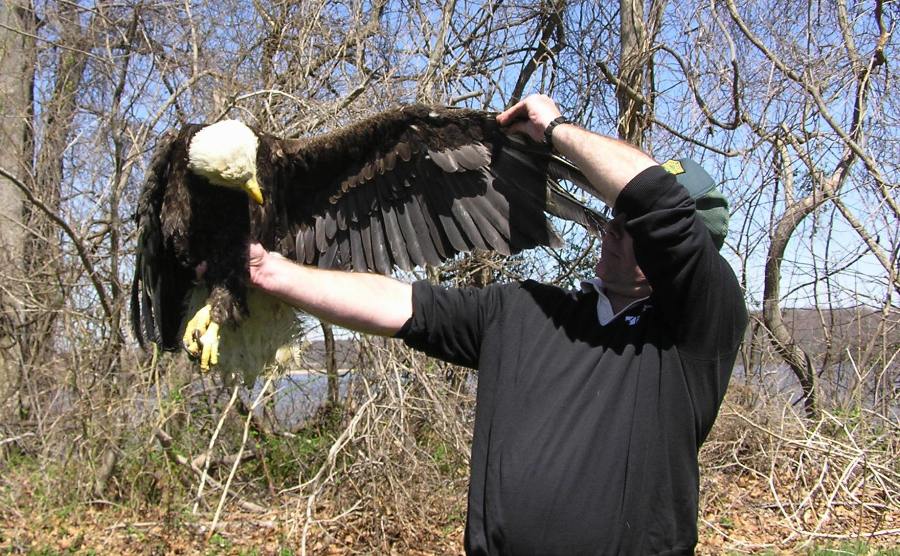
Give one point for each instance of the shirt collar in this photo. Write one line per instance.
(605, 313)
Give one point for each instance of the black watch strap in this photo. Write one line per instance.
(548, 132)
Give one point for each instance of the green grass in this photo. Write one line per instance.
(218, 545)
(848, 548)
(851, 548)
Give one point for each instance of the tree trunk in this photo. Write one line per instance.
(551, 29)
(636, 36)
(41, 251)
(782, 339)
(632, 33)
(17, 56)
(331, 365)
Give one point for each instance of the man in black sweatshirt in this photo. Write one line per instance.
(592, 404)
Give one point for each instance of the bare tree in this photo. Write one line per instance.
(792, 105)
(41, 256)
(635, 75)
(17, 51)
(836, 105)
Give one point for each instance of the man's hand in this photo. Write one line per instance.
(259, 263)
(530, 116)
(608, 163)
(255, 258)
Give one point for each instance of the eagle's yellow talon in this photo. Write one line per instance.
(197, 335)
(210, 343)
(201, 338)
(195, 328)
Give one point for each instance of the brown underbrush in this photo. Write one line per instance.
(773, 480)
(181, 466)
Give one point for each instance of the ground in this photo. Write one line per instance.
(740, 520)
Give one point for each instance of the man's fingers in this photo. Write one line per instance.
(517, 111)
(526, 128)
(530, 116)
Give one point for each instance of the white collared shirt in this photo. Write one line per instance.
(605, 313)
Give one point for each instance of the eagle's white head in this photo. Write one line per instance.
(225, 154)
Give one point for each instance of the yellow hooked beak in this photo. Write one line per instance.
(253, 191)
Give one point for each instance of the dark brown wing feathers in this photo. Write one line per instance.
(418, 185)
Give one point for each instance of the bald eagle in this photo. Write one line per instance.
(409, 187)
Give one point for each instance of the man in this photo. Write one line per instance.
(591, 405)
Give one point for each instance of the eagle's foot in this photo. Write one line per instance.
(201, 338)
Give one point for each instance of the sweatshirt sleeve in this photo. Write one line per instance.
(693, 285)
(449, 323)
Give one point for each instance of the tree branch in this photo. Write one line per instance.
(76, 241)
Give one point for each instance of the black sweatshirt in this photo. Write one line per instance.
(586, 436)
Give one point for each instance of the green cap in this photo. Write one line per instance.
(712, 207)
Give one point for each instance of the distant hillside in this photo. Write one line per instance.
(858, 330)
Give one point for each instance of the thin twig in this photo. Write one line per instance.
(212, 442)
(237, 460)
(79, 246)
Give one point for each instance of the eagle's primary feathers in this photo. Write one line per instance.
(405, 188)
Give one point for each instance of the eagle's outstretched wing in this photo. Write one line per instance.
(415, 186)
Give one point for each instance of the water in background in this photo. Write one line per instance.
(297, 396)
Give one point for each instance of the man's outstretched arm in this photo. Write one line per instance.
(381, 305)
(608, 164)
(364, 302)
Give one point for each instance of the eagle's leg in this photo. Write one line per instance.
(226, 304)
(201, 337)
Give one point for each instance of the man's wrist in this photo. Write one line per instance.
(548, 131)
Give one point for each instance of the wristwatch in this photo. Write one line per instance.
(548, 132)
